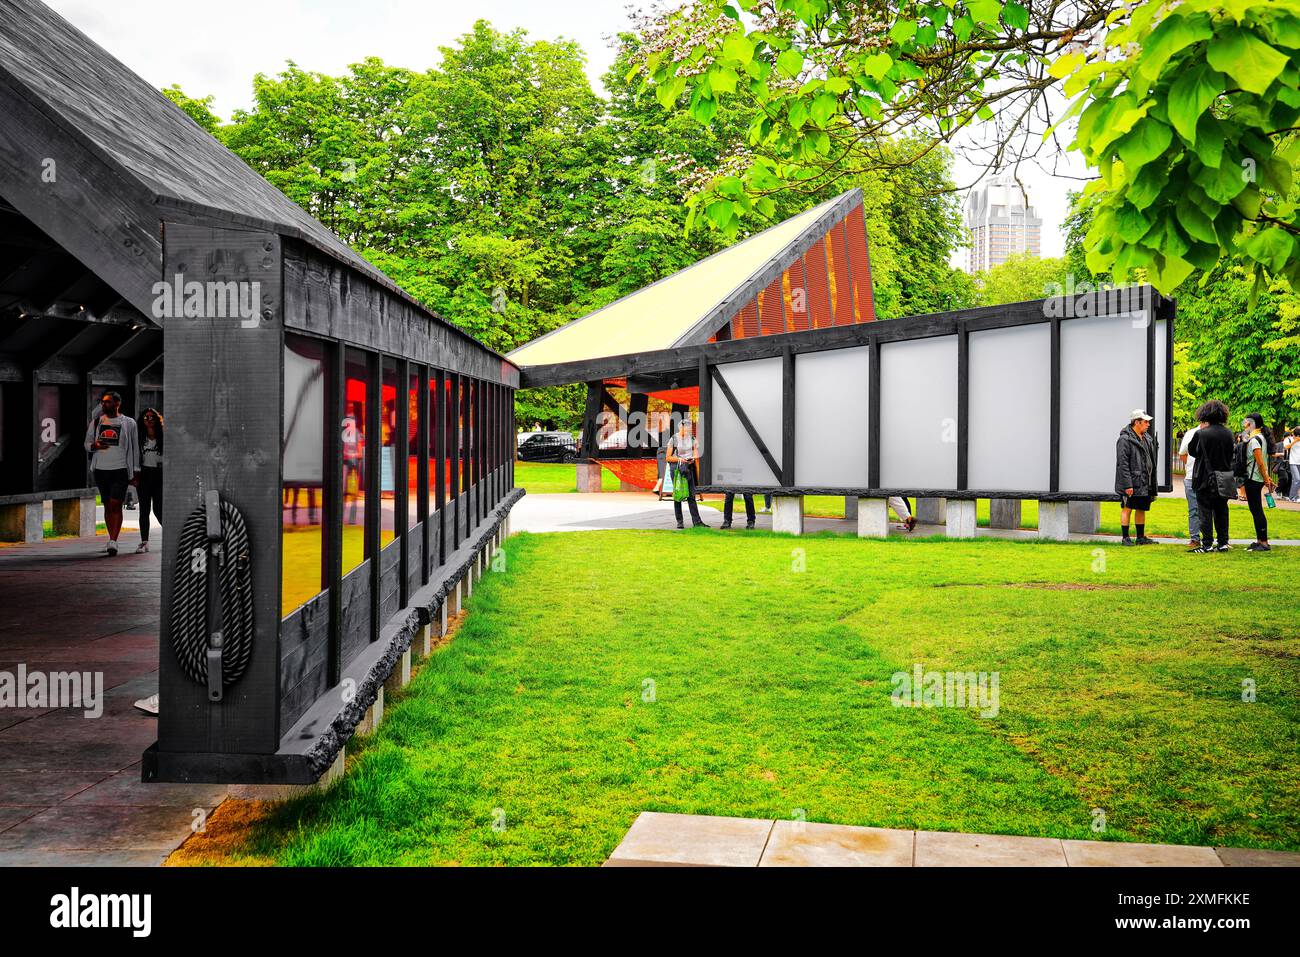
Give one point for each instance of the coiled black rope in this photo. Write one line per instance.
(189, 617)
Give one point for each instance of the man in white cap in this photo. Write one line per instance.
(1136, 454)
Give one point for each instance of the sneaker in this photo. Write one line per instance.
(1127, 541)
(700, 525)
(112, 548)
(680, 525)
(749, 526)
(1223, 548)
(910, 522)
(1258, 547)
(1194, 542)
(725, 525)
(1200, 550)
(142, 547)
(1147, 541)
(148, 705)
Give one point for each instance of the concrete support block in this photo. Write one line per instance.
(1054, 521)
(400, 676)
(22, 523)
(588, 477)
(74, 516)
(787, 514)
(851, 508)
(959, 516)
(873, 517)
(374, 716)
(931, 511)
(440, 623)
(1004, 513)
(467, 582)
(455, 597)
(423, 642)
(1085, 517)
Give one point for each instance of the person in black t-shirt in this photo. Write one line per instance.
(1211, 447)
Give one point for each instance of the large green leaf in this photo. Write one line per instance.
(1195, 222)
(1252, 63)
(1147, 140)
(1175, 33)
(1191, 95)
(1272, 247)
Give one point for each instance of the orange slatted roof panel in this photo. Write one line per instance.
(771, 309)
(749, 319)
(860, 262)
(819, 291)
(842, 276)
(798, 300)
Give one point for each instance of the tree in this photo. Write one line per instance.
(1021, 278)
(1170, 100)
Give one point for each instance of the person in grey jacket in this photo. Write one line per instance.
(114, 444)
(1136, 454)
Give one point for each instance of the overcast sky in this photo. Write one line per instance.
(215, 49)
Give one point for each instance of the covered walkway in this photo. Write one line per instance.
(70, 788)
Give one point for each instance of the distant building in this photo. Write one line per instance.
(999, 223)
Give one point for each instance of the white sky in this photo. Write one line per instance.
(216, 49)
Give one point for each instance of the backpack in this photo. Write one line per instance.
(1240, 461)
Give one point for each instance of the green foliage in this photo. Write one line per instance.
(1021, 278)
(1189, 113)
(199, 110)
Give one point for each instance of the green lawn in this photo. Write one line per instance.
(1168, 516)
(548, 478)
(1121, 676)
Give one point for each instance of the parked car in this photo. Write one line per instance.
(548, 447)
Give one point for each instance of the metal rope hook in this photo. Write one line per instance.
(216, 557)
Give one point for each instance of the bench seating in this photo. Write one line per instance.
(22, 516)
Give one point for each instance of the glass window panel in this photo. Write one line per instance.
(918, 414)
(831, 418)
(1103, 378)
(413, 451)
(1009, 444)
(734, 458)
(388, 464)
(437, 407)
(353, 438)
(302, 539)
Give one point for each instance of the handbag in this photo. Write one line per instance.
(1225, 484)
(681, 487)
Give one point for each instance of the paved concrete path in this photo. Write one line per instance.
(70, 789)
(689, 840)
(590, 511)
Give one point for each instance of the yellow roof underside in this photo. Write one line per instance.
(658, 315)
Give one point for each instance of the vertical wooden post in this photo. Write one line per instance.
(422, 422)
(787, 417)
(224, 379)
(1054, 420)
(963, 404)
(374, 474)
(336, 399)
(401, 482)
(440, 462)
(873, 414)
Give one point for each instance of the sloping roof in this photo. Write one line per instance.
(146, 139)
(692, 304)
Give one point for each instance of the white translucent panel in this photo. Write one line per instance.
(1103, 378)
(1009, 444)
(832, 418)
(733, 457)
(918, 414)
(304, 433)
(1161, 411)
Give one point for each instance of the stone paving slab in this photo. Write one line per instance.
(691, 840)
(101, 828)
(950, 849)
(687, 840)
(810, 844)
(1252, 857)
(1117, 854)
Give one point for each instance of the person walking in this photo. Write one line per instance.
(1189, 465)
(1258, 481)
(682, 453)
(151, 461)
(1136, 454)
(1291, 461)
(1211, 450)
(114, 445)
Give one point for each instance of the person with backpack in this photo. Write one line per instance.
(1212, 478)
(1253, 477)
(1136, 454)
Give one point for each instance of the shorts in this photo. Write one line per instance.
(1140, 503)
(111, 484)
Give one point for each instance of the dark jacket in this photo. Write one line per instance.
(1212, 449)
(1135, 462)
